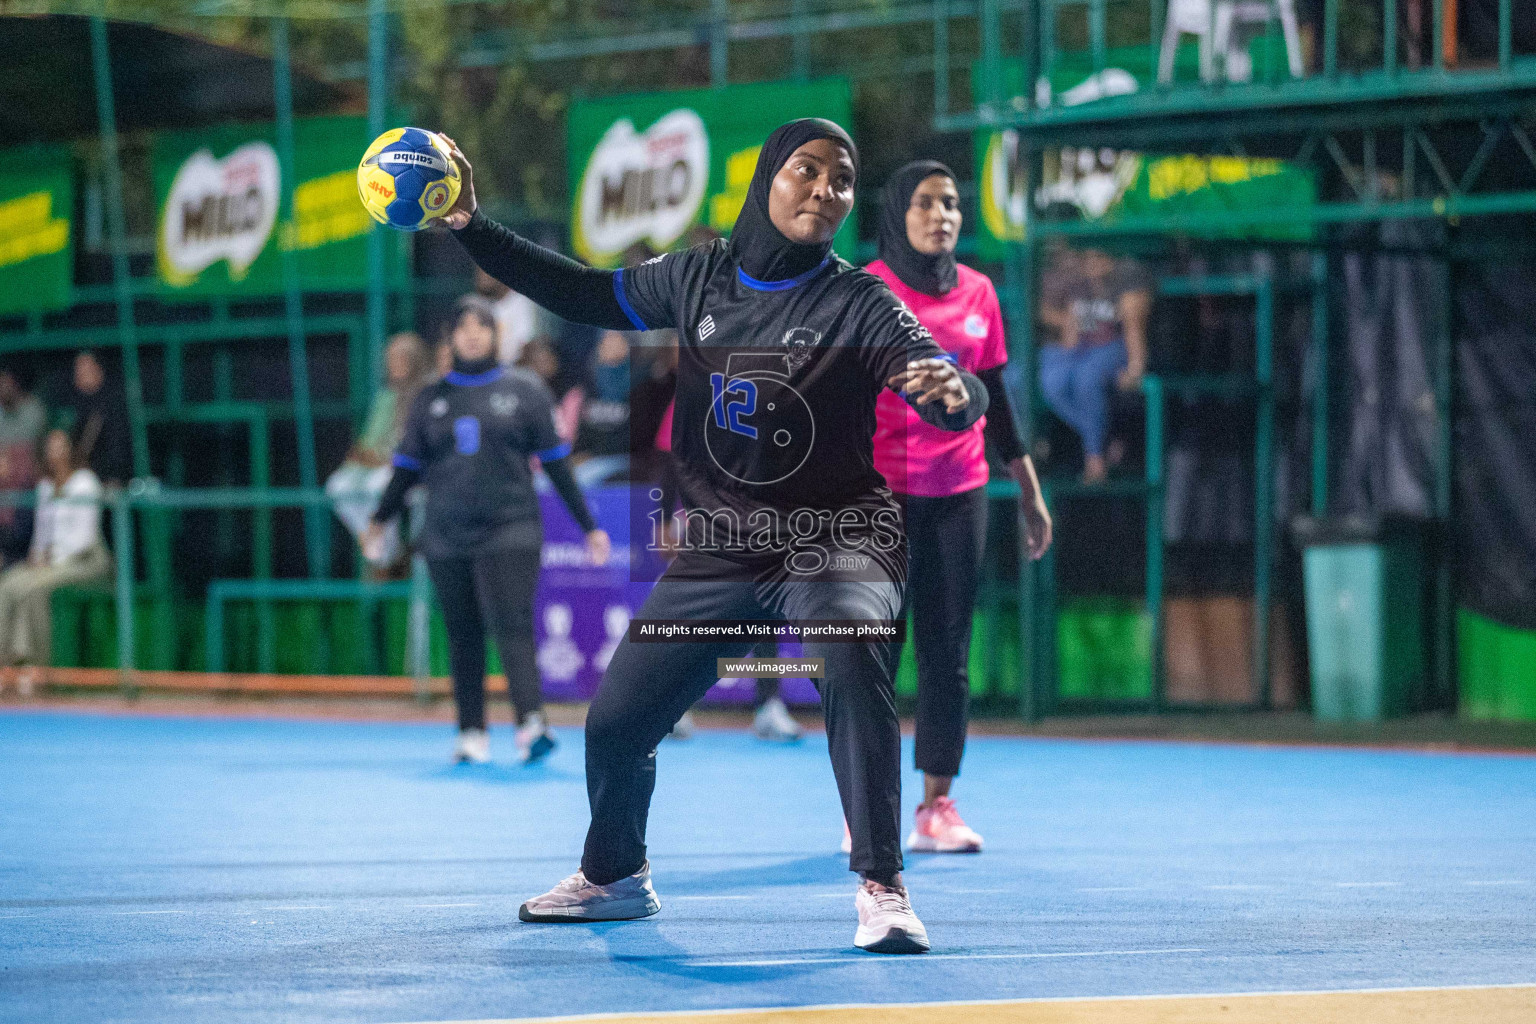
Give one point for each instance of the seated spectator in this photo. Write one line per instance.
(1098, 307)
(602, 426)
(358, 483)
(540, 358)
(96, 415)
(22, 419)
(67, 550)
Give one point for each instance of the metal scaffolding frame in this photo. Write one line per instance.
(1351, 122)
(1434, 130)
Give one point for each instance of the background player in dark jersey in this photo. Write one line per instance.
(784, 349)
(942, 477)
(469, 438)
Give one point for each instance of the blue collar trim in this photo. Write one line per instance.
(781, 286)
(473, 380)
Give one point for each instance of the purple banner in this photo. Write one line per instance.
(582, 610)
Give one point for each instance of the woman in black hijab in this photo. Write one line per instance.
(783, 350)
(942, 477)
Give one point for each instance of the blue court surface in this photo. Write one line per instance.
(158, 869)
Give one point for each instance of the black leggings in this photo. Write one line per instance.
(492, 589)
(945, 537)
(648, 686)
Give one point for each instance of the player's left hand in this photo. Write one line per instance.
(1036, 517)
(598, 547)
(460, 212)
(1037, 527)
(932, 380)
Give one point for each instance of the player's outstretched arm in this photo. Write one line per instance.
(903, 356)
(944, 395)
(570, 290)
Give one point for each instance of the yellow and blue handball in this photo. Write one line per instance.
(407, 178)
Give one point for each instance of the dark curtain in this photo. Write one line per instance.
(1495, 440)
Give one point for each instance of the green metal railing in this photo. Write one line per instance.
(1038, 589)
(1437, 73)
(367, 593)
(153, 501)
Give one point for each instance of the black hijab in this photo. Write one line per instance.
(482, 310)
(931, 275)
(759, 248)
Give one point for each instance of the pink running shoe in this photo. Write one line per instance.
(940, 829)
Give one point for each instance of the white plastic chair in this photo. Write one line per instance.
(1193, 17)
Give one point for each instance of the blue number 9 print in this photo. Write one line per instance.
(731, 403)
(466, 435)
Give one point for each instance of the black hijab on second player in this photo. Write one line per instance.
(932, 275)
(759, 248)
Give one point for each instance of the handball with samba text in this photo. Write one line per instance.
(407, 179)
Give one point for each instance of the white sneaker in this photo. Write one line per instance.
(683, 730)
(473, 747)
(940, 829)
(534, 740)
(773, 723)
(886, 921)
(577, 899)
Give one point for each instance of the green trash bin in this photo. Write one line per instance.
(1365, 629)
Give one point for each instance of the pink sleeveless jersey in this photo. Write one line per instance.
(916, 458)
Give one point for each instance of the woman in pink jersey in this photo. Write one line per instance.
(942, 476)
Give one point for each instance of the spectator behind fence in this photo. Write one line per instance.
(518, 320)
(22, 419)
(603, 423)
(358, 483)
(442, 359)
(540, 358)
(96, 415)
(1098, 307)
(67, 550)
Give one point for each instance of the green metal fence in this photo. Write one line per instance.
(153, 504)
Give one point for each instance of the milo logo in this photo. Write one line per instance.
(641, 186)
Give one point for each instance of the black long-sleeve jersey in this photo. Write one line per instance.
(776, 389)
(776, 393)
(468, 438)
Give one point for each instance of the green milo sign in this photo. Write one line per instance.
(649, 168)
(37, 196)
(218, 196)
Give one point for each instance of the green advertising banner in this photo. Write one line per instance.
(648, 168)
(217, 192)
(37, 200)
(1101, 184)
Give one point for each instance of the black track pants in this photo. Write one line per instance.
(945, 538)
(491, 591)
(649, 685)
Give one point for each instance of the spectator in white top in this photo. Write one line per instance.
(518, 319)
(67, 550)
